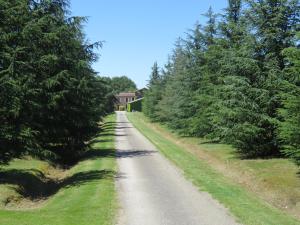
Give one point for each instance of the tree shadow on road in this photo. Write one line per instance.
(113, 134)
(134, 153)
(124, 127)
(112, 153)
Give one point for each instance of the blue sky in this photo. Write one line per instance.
(136, 33)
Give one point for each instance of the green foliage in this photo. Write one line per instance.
(84, 193)
(135, 106)
(227, 80)
(114, 86)
(122, 84)
(153, 94)
(51, 99)
(109, 98)
(289, 129)
(245, 205)
(16, 134)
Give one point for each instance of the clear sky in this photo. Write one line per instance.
(138, 32)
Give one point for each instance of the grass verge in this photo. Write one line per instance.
(243, 204)
(84, 194)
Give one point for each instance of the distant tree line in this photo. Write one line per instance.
(235, 79)
(122, 84)
(114, 86)
(51, 100)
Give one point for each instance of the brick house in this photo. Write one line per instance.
(125, 97)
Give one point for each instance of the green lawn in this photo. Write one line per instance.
(243, 204)
(85, 196)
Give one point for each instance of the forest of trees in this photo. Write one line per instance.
(235, 79)
(51, 99)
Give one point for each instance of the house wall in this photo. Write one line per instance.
(125, 99)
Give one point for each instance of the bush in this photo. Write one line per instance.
(135, 106)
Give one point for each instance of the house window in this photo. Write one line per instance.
(126, 99)
(132, 98)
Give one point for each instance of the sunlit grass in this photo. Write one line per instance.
(86, 195)
(242, 203)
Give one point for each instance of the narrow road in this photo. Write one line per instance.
(152, 191)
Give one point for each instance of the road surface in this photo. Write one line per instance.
(152, 191)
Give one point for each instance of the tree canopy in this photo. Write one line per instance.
(122, 84)
(50, 98)
(235, 79)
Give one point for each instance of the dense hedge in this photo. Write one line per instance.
(135, 105)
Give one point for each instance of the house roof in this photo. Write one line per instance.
(126, 94)
(137, 100)
(143, 89)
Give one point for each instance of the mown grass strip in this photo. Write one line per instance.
(88, 197)
(246, 207)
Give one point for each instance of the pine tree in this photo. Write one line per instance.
(16, 134)
(228, 80)
(289, 129)
(109, 99)
(180, 81)
(210, 29)
(50, 99)
(274, 25)
(234, 108)
(197, 84)
(154, 77)
(68, 109)
(153, 94)
(233, 27)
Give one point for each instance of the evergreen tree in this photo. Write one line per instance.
(228, 80)
(233, 27)
(50, 99)
(110, 99)
(194, 80)
(154, 77)
(68, 108)
(153, 94)
(180, 82)
(16, 134)
(274, 25)
(289, 129)
(234, 108)
(210, 29)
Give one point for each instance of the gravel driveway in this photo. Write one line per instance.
(152, 191)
